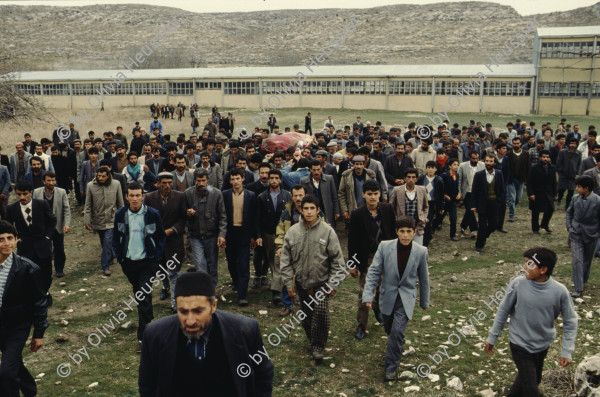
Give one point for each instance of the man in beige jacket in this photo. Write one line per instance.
(103, 198)
(351, 184)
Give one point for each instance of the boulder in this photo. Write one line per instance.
(587, 377)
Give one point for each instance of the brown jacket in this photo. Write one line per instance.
(397, 199)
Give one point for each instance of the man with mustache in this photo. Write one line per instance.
(206, 223)
(202, 350)
(103, 197)
(489, 197)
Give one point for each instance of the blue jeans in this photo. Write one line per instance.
(515, 191)
(106, 237)
(285, 298)
(205, 254)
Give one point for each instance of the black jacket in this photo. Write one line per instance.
(242, 340)
(479, 190)
(24, 300)
(267, 216)
(257, 187)
(37, 237)
(394, 171)
(359, 236)
(542, 186)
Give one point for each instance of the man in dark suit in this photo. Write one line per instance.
(322, 187)
(395, 167)
(171, 205)
(272, 122)
(370, 224)
(541, 190)
(583, 225)
(156, 164)
(248, 176)
(261, 264)
(28, 144)
(35, 225)
(308, 124)
(202, 350)
(23, 304)
(240, 206)
(489, 196)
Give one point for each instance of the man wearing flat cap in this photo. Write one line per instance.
(202, 351)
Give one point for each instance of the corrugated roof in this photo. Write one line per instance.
(287, 72)
(569, 31)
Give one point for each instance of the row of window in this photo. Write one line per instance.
(581, 49)
(94, 89)
(568, 89)
(369, 87)
(208, 85)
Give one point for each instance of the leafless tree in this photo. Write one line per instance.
(15, 105)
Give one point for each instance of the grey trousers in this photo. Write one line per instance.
(582, 255)
(394, 325)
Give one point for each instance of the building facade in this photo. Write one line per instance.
(562, 80)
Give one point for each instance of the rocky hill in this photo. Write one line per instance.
(103, 36)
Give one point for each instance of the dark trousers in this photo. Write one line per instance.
(238, 259)
(529, 376)
(78, 196)
(58, 242)
(308, 128)
(362, 314)
(488, 222)
(430, 226)
(450, 209)
(501, 215)
(3, 205)
(561, 192)
(469, 221)
(535, 219)
(138, 273)
(261, 264)
(45, 266)
(13, 374)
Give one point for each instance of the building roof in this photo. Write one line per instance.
(569, 31)
(286, 72)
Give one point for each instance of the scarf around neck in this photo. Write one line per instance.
(135, 171)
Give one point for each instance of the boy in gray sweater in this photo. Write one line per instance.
(531, 331)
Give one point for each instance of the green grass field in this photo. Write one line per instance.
(88, 300)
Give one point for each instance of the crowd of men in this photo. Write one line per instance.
(154, 198)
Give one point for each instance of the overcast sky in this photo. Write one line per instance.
(524, 7)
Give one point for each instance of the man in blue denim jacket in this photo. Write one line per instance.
(138, 242)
